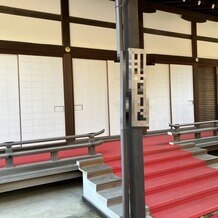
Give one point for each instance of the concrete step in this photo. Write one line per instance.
(98, 170)
(214, 165)
(90, 162)
(209, 159)
(106, 182)
(111, 196)
(196, 151)
(210, 146)
(187, 145)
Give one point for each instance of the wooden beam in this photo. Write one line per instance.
(91, 53)
(12, 47)
(90, 22)
(172, 59)
(67, 70)
(194, 39)
(166, 33)
(29, 13)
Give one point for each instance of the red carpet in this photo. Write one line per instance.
(176, 184)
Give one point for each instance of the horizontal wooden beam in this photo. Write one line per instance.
(91, 22)
(166, 33)
(171, 59)
(91, 53)
(29, 13)
(12, 47)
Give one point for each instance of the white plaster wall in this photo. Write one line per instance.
(92, 37)
(166, 21)
(9, 99)
(114, 96)
(157, 90)
(25, 29)
(167, 45)
(209, 29)
(41, 96)
(50, 6)
(90, 92)
(182, 94)
(207, 50)
(93, 9)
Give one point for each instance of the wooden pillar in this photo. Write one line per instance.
(67, 70)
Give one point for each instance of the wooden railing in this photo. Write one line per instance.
(9, 150)
(197, 128)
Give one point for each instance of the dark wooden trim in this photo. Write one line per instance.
(91, 53)
(29, 13)
(65, 26)
(68, 94)
(141, 25)
(194, 39)
(170, 95)
(189, 15)
(207, 39)
(67, 71)
(12, 47)
(90, 22)
(166, 33)
(195, 94)
(216, 91)
(172, 59)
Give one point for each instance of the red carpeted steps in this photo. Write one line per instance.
(176, 183)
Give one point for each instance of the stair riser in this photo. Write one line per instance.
(108, 185)
(91, 163)
(166, 159)
(116, 200)
(185, 199)
(99, 173)
(212, 161)
(154, 190)
(171, 170)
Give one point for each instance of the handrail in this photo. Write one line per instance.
(193, 124)
(88, 135)
(11, 152)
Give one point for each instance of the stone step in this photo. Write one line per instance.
(98, 170)
(91, 162)
(214, 165)
(196, 151)
(209, 159)
(111, 196)
(106, 182)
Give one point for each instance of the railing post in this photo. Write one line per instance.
(9, 159)
(177, 135)
(54, 155)
(91, 149)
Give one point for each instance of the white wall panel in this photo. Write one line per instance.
(9, 99)
(42, 97)
(157, 90)
(167, 45)
(209, 29)
(166, 21)
(114, 97)
(51, 6)
(92, 37)
(91, 103)
(94, 9)
(182, 94)
(207, 50)
(25, 29)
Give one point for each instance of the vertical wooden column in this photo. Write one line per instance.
(135, 134)
(195, 55)
(67, 70)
